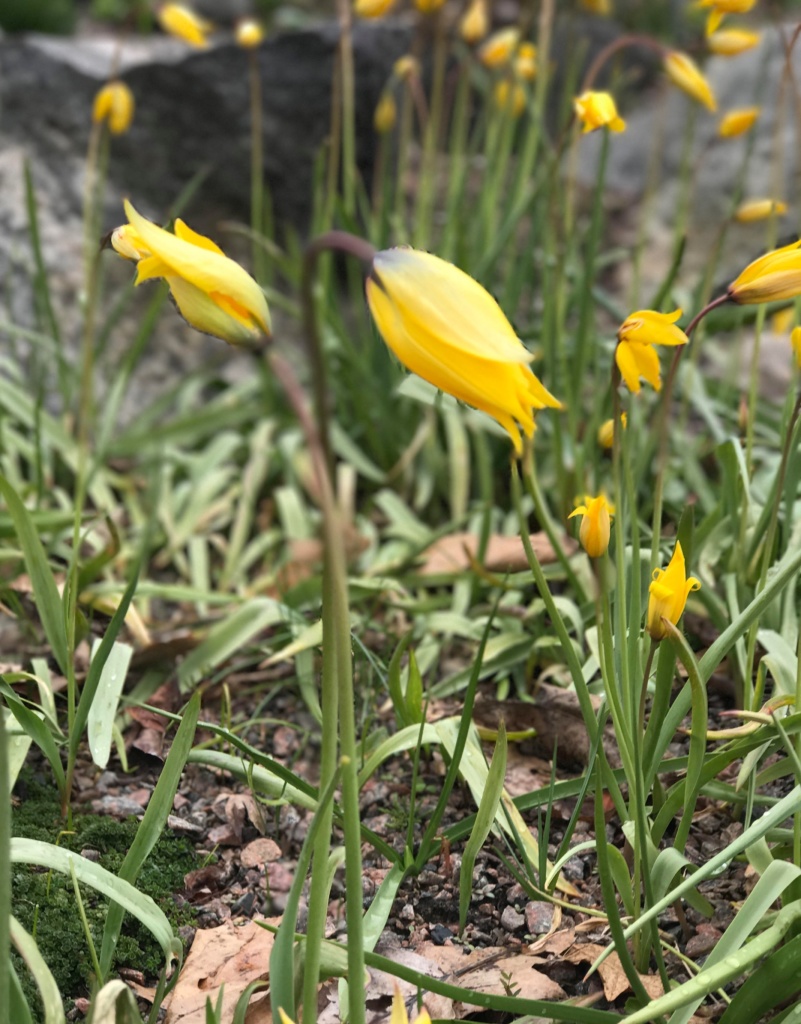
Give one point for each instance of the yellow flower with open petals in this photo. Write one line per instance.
(598, 110)
(475, 23)
(635, 355)
(685, 73)
(595, 524)
(738, 122)
(668, 594)
(729, 42)
(759, 209)
(499, 48)
(443, 326)
(115, 105)
(212, 292)
(723, 7)
(181, 21)
(774, 276)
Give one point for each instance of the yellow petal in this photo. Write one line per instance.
(475, 22)
(737, 122)
(499, 48)
(181, 21)
(686, 74)
(759, 209)
(372, 8)
(249, 33)
(732, 41)
(213, 314)
(647, 327)
(114, 104)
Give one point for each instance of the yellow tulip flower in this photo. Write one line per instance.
(509, 97)
(723, 7)
(595, 524)
(603, 7)
(728, 42)
(635, 355)
(499, 48)
(181, 21)
(474, 24)
(443, 326)
(685, 73)
(668, 594)
(115, 105)
(738, 122)
(249, 33)
(526, 62)
(598, 110)
(372, 8)
(386, 114)
(759, 209)
(212, 292)
(606, 431)
(428, 6)
(406, 67)
(774, 276)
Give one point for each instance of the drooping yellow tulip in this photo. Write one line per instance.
(759, 209)
(446, 328)
(728, 42)
(668, 594)
(774, 276)
(685, 73)
(249, 33)
(635, 354)
(598, 110)
(181, 21)
(606, 431)
(499, 49)
(475, 23)
(526, 62)
(115, 105)
(386, 113)
(723, 7)
(738, 122)
(212, 292)
(594, 531)
(372, 8)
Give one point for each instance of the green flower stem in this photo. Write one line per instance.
(5, 872)
(621, 630)
(426, 193)
(337, 696)
(548, 526)
(607, 650)
(662, 425)
(347, 96)
(568, 649)
(256, 166)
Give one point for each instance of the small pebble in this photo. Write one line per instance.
(512, 919)
(539, 917)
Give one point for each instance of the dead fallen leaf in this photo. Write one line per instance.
(611, 971)
(555, 942)
(233, 955)
(458, 551)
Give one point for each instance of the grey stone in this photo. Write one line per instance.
(512, 919)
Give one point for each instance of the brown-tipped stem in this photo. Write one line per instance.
(621, 43)
(330, 241)
(661, 429)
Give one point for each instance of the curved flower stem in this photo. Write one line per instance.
(631, 39)
(337, 701)
(256, 167)
(661, 427)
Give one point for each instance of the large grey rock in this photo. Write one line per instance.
(192, 115)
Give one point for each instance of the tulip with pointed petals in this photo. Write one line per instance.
(774, 276)
(635, 354)
(594, 531)
(668, 594)
(685, 73)
(598, 110)
(738, 122)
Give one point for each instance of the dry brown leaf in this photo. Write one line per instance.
(611, 971)
(232, 955)
(457, 552)
(555, 942)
